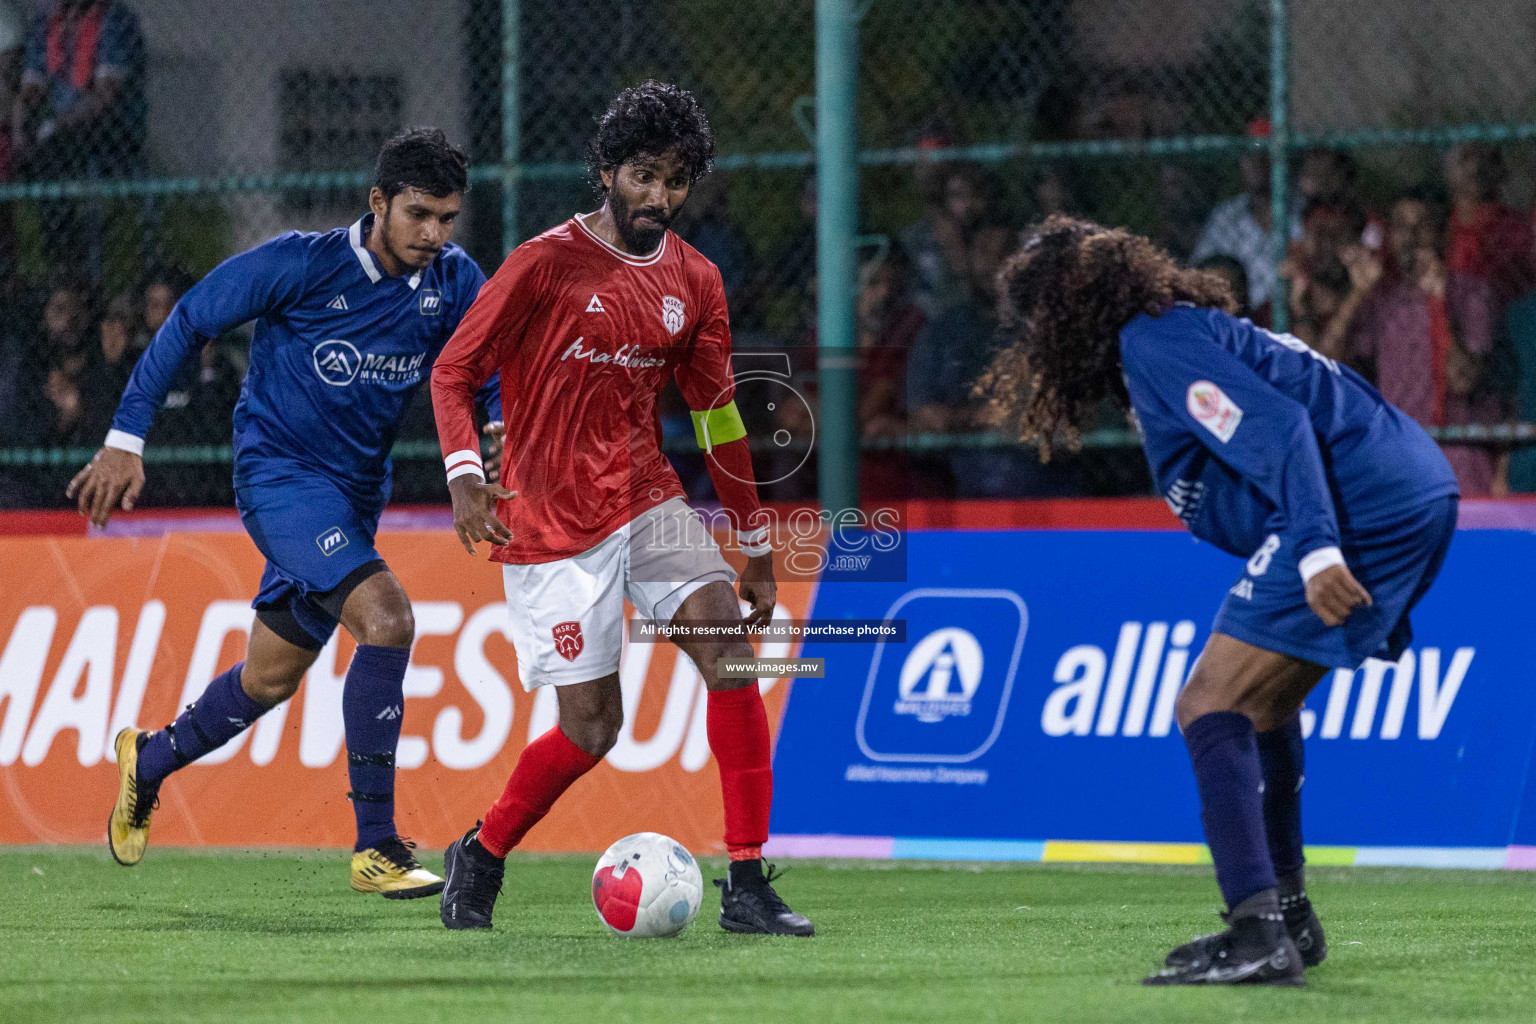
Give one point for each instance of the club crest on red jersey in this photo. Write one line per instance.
(672, 313)
(568, 639)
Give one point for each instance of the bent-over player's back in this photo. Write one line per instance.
(1223, 405)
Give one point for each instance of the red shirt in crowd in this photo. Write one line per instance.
(1495, 244)
(1397, 326)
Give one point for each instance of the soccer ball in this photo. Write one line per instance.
(647, 886)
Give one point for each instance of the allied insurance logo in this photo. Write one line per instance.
(337, 362)
(944, 699)
(940, 676)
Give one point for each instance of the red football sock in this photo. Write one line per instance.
(737, 724)
(545, 769)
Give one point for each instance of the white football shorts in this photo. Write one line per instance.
(567, 616)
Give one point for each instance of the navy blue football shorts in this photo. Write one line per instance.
(319, 547)
(1396, 563)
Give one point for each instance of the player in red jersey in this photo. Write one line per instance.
(586, 323)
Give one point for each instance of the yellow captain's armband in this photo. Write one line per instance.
(718, 426)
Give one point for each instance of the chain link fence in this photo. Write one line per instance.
(143, 142)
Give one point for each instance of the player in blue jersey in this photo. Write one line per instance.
(1341, 505)
(348, 323)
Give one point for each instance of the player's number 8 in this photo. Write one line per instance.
(1258, 565)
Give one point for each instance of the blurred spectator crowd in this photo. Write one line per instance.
(1430, 292)
(1431, 296)
(65, 356)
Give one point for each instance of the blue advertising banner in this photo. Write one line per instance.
(1029, 714)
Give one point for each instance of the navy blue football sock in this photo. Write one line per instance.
(371, 704)
(223, 712)
(1284, 761)
(1226, 760)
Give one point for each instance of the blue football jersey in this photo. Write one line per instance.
(1251, 433)
(339, 350)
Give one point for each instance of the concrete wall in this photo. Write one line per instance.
(215, 65)
(1356, 63)
(1413, 62)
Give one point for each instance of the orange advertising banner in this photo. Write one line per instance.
(97, 634)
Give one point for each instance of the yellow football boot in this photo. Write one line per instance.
(390, 869)
(128, 828)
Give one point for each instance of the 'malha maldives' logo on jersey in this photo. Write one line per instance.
(632, 356)
(393, 369)
(339, 363)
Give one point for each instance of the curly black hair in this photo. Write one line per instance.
(421, 158)
(651, 118)
(1063, 298)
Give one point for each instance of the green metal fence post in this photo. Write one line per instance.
(511, 119)
(1280, 152)
(837, 181)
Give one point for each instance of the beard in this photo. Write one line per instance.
(638, 240)
(415, 259)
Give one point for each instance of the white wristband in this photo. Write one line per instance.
(1319, 560)
(754, 542)
(467, 469)
(124, 440)
(464, 462)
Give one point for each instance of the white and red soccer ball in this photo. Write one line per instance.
(647, 886)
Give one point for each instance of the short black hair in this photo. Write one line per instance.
(175, 277)
(1341, 162)
(651, 118)
(421, 158)
(1489, 170)
(1232, 267)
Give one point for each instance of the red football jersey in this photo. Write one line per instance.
(585, 337)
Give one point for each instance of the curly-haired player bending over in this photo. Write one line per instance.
(1343, 507)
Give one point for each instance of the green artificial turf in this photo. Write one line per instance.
(277, 936)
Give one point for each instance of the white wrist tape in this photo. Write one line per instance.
(124, 440)
(464, 462)
(1319, 560)
(754, 542)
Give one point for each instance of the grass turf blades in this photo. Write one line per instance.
(278, 936)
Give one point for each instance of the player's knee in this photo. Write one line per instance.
(390, 625)
(1203, 696)
(269, 688)
(595, 733)
(1196, 699)
(713, 657)
(1271, 711)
